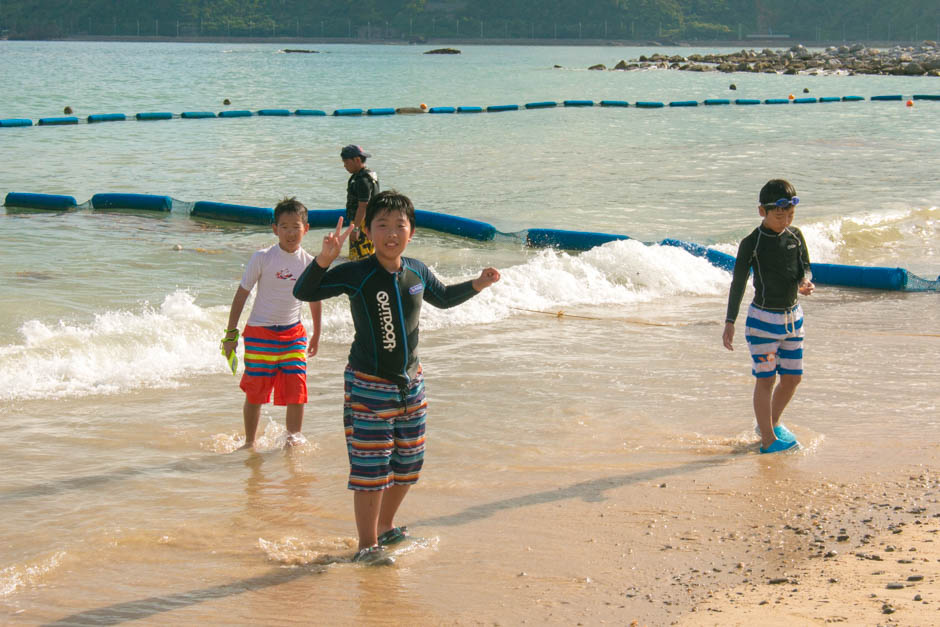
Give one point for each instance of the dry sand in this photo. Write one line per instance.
(874, 562)
(892, 580)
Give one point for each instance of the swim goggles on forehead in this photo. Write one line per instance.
(784, 203)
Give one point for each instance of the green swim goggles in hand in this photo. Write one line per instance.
(231, 335)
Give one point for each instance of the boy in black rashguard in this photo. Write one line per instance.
(384, 407)
(776, 252)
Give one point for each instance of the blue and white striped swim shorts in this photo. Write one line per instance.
(775, 339)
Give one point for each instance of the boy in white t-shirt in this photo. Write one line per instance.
(275, 339)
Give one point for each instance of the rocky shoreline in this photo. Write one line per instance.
(922, 60)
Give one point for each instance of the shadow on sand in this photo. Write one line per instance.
(590, 491)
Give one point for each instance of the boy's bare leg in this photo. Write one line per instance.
(390, 504)
(784, 391)
(375, 510)
(252, 414)
(295, 420)
(763, 401)
(366, 505)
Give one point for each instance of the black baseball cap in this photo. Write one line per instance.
(352, 151)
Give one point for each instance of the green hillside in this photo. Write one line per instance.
(663, 20)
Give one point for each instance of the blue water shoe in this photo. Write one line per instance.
(780, 445)
(780, 431)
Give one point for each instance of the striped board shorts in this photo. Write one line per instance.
(775, 339)
(275, 359)
(385, 430)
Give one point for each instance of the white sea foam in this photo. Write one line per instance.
(162, 346)
(12, 578)
(845, 239)
(617, 273)
(117, 351)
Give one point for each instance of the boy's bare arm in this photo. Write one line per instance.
(238, 305)
(316, 309)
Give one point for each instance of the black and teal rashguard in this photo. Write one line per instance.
(779, 261)
(385, 309)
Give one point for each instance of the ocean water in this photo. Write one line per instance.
(123, 497)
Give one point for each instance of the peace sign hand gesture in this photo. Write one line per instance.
(333, 244)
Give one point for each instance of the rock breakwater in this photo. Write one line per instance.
(922, 60)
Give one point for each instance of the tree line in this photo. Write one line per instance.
(808, 20)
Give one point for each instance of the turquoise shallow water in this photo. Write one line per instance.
(119, 408)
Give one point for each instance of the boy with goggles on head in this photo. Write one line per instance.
(776, 252)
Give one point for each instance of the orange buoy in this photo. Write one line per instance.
(791, 97)
(910, 103)
(424, 106)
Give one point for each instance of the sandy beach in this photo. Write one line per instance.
(872, 562)
(696, 553)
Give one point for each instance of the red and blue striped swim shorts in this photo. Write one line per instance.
(275, 359)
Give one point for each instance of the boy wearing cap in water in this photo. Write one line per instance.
(776, 252)
(362, 186)
(384, 407)
(275, 338)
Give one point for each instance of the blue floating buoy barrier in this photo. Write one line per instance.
(774, 101)
(234, 213)
(455, 225)
(853, 98)
(309, 112)
(649, 105)
(154, 115)
(926, 97)
(10, 122)
(348, 112)
(714, 257)
(469, 109)
(106, 117)
(830, 99)
(568, 240)
(803, 100)
(58, 121)
(860, 276)
(274, 112)
(546, 104)
(442, 110)
(890, 97)
(381, 111)
(579, 103)
(40, 201)
(747, 101)
(684, 103)
(145, 202)
(238, 113)
(196, 115)
(717, 101)
(324, 218)
(497, 108)
(614, 103)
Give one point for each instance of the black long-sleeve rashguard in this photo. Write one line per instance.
(780, 261)
(385, 309)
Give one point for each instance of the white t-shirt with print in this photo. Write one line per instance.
(275, 271)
